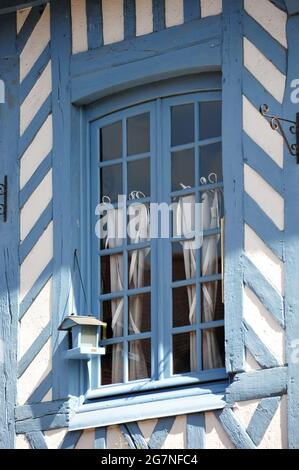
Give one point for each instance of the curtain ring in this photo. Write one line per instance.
(106, 200)
(140, 195)
(132, 195)
(212, 178)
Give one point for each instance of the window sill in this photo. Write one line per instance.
(149, 405)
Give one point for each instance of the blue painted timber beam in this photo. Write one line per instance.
(9, 6)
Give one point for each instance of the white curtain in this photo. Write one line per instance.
(140, 214)
(114, 231)
(211, 205)
(115, 221)
(211, 348)
(185, 227)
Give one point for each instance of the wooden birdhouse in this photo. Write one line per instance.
(83, 335)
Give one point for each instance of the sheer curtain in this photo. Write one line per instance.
(115, 222)
(140, 213)
(185, 227)
(114, 232)
(211, 201)
(211, 209)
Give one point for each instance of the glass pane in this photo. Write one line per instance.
(211, 163)
(182, 170)
(112, 365)
(184, 353)
(183, 217)
(211, 255)
(139, 313)
(112, 230)
(139, 359)
(138, 223)
(138, 132)
(210, 120)
(182, 124)
(112, 314)
(111, 183)
(213, 348)
(212, 209)
(139, 179)
(212, 308)
(112, 274)
(184, 305)
(183, 260)
(111, 141)
(139, 268)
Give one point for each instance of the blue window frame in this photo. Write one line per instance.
(163, 150)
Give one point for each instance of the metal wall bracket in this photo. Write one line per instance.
(275, 123)
(3, 195)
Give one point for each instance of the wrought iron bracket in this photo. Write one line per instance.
(276, 125)
(3, 195)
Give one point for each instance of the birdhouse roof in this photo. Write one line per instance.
(73, 320)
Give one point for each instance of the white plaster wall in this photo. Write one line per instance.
(264, 70)
(79, 26)
(35, 373)
(264, 259)
(36, 152)
(36, 261)
(174, 12)
(265, 196)
(257, 127)
(36, 98)
(21, 18)
(113, 21)
(36, 44)
(144, 17)
(36, 318)
(216, 437)
(276, 436)
(263, 323)
(211, 7)
(272, 19)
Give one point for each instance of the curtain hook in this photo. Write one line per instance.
(106, 200)
(203, 180)
(140, 195)
(213, 178)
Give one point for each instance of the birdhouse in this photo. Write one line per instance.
(83, 336)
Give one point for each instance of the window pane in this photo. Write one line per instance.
(111, 141)
(112, 314)
(183, 260)
(213, 348)
(184, 353)
(184, 305)
(212, 308)
(183, 217)
(182, 170)
(112, 274)
(182, 124)
(211, 163)
(139, 179)
(212, 208)
(112, 365)
(139, 359)
(111, 183)
(138, 222)
(210, 120)
(211, 255)
(139, 268)
(111, 230)
(138, 132)
(139, 313)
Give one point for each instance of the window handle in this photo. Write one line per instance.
(222, 226)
